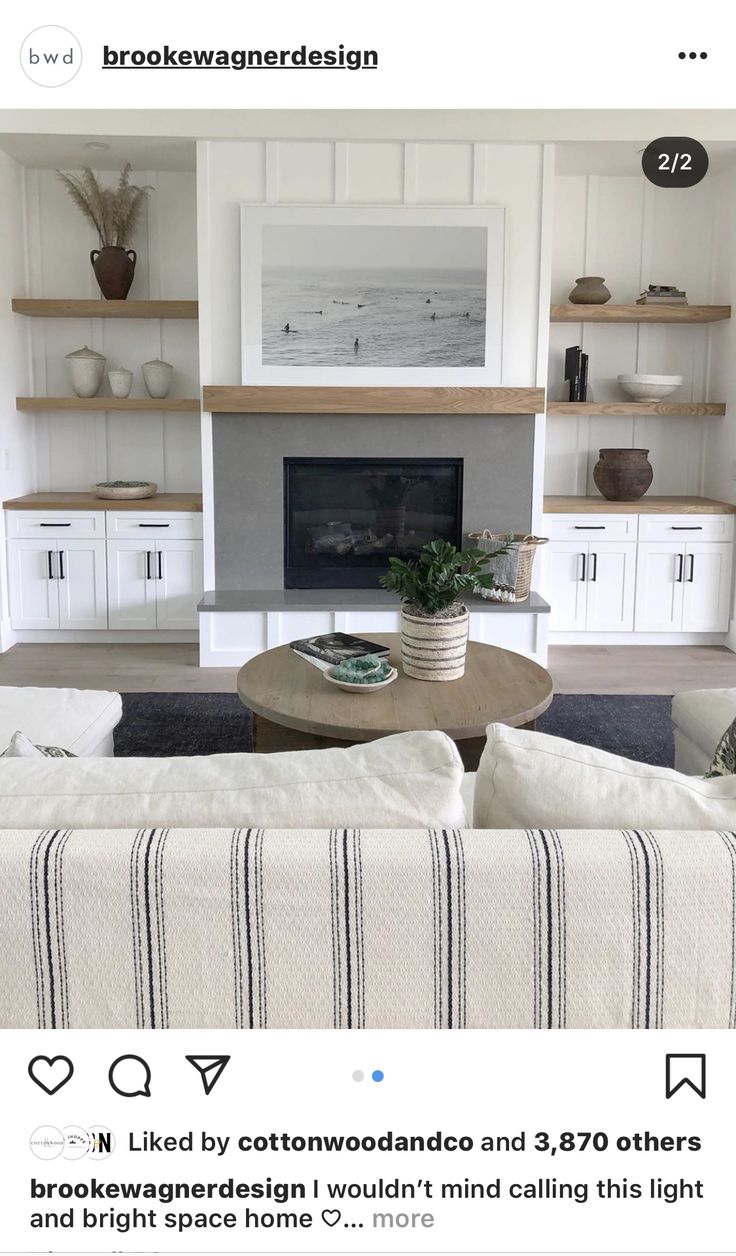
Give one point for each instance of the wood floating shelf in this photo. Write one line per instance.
(685, 409)
(639, 313)
(642, 506)
(293, 400)
(188, 502)
(41, 308)
(182, 405)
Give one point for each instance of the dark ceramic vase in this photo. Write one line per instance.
(114, 269)
(623, 475)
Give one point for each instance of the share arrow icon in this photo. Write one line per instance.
(210, 1068)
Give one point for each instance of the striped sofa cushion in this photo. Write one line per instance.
(252, 928)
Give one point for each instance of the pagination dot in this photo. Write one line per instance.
(377, 1075)
(358, 1075)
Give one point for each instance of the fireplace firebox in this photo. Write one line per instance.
(345, 517)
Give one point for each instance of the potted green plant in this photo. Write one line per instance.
(434, 618)
(114, 213)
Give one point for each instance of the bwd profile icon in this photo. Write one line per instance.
(51, 56)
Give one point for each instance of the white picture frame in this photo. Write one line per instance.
(427, 239)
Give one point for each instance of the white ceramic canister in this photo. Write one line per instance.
(86, 371)
(121, 382)
(157, 377)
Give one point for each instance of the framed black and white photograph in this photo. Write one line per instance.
(368, 296)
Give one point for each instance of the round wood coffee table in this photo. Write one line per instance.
(294, 708)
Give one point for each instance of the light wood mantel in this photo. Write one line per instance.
(293, 400)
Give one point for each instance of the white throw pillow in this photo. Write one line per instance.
(411, 780)
(21, 747)
(532, 781)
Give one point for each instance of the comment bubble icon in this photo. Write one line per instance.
(130, 1077)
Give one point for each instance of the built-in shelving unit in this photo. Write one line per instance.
(639, 313)
(36, 307)
(666, 409)
(188, 405)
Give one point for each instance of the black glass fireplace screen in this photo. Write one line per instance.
(344, 517)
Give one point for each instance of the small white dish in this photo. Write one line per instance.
(350, 687)
(650, 387)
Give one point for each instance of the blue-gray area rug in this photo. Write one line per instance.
(159, 724)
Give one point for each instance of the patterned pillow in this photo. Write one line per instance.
(21, 747)
(724, 760)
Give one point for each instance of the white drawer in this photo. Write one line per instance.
(149, 523)
(30, 524)
(686, 528)
(590, 527)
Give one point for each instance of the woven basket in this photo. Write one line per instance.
(513, 578)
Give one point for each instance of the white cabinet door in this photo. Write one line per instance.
(707, 587)
(611, 580)
(131, 584)
(179, 583)
(659, 587)
(82, 584)
(565, 567)
(34, 597)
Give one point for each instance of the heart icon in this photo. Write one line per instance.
(50, 1073)
(331, 1216)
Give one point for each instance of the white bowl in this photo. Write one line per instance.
(650, 387)
(350, 687)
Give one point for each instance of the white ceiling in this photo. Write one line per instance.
(587, 141)
(68, 152)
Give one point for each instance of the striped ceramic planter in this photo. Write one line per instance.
(434, 649)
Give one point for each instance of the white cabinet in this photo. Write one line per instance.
(684, 587)
(57, 583)
(565, 585)
(154, 583)
(131, 589)
(76, 571)
(648, 573)
(180, 579)
(591, 585)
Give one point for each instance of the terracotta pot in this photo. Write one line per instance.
(114, 269)
(623, 475)
(589, 290)
(434, 649)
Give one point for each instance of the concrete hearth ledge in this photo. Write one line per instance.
(224, 600)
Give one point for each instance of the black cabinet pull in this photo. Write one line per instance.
(61, 565)
(680, 568)
(51, 564)
(148, 564)
(590, 527)
(160, 565)
(594, 576)
(691, 577)
(585, 564)
(54, 525)
(154, 525)
(686, 527)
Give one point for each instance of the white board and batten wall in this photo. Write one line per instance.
(516, 176)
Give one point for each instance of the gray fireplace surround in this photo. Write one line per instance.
(249, 449)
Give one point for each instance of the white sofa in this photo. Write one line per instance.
(700, 718)
(384, 908)
(80, 720)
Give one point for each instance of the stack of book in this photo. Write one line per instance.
(335, 647)
(576, 372)
(661, 294)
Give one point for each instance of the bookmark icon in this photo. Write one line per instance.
(210, 1068)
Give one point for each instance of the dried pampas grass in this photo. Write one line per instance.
(115, 213)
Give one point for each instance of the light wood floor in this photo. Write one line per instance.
(174, 669)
